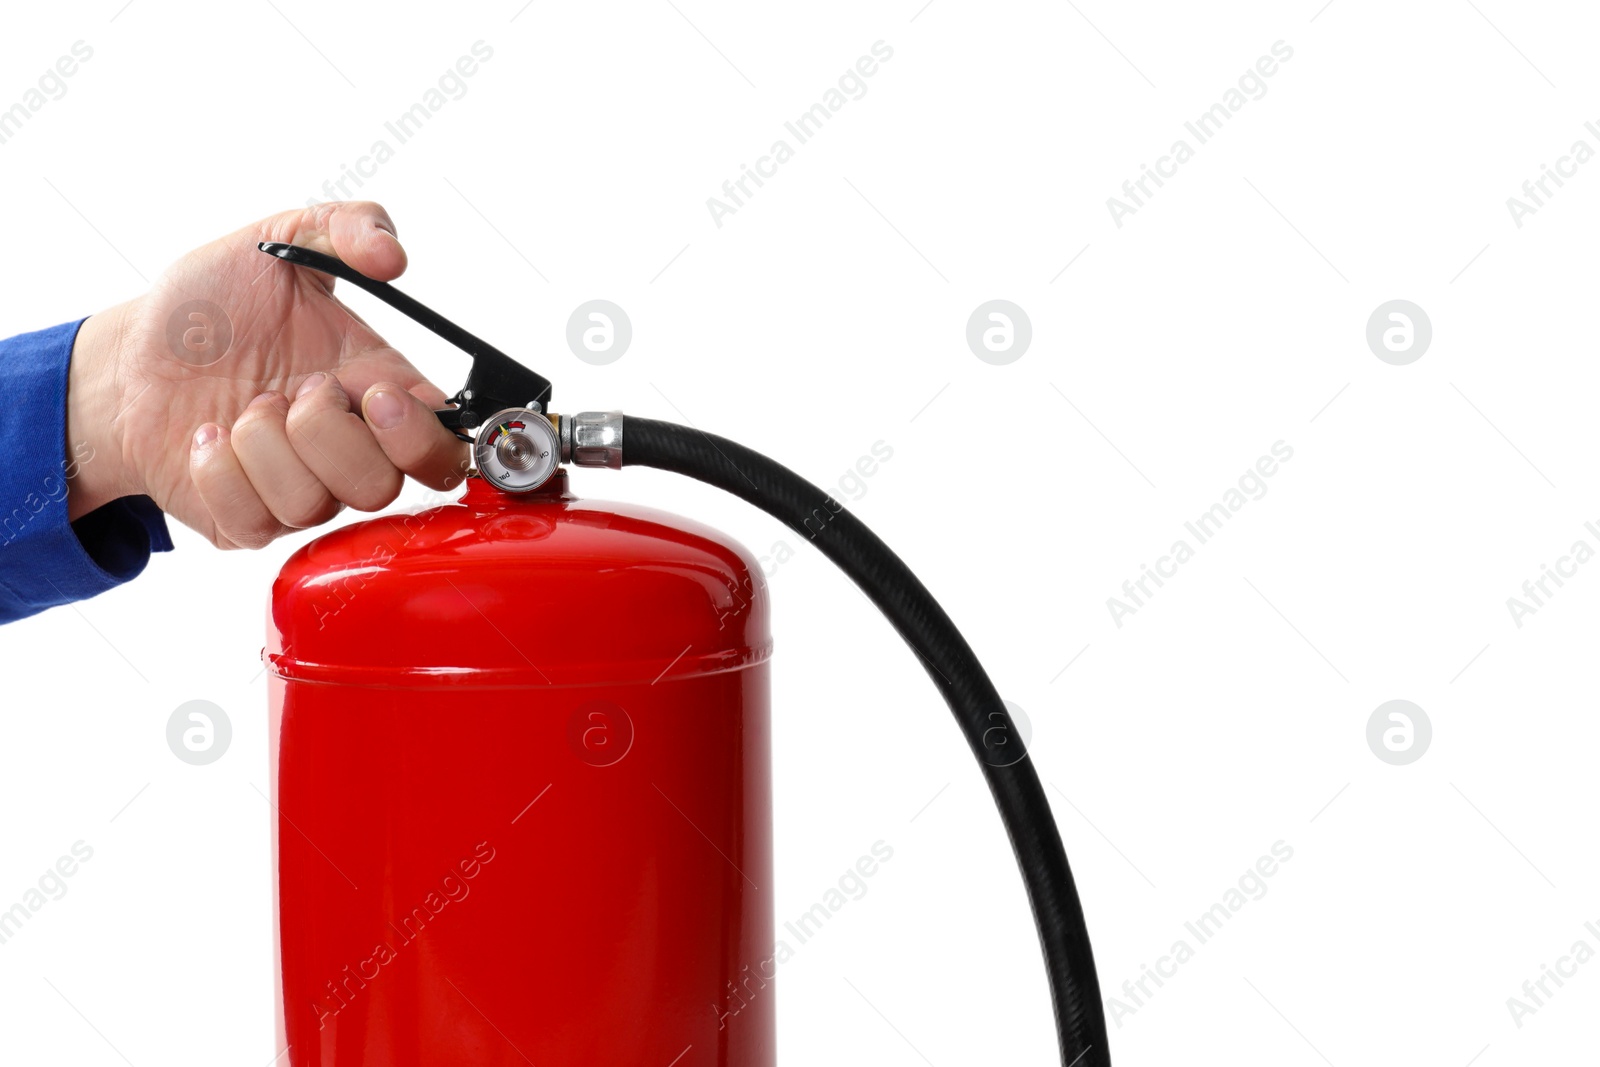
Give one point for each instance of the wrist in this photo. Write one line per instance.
(94, 464)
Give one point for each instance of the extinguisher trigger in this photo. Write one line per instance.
(495, 382)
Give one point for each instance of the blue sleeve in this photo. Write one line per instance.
(46, 560)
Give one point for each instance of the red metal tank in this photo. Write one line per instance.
(522, 790)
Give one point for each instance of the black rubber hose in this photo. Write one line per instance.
(955, 670)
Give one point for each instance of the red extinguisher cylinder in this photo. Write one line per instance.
(522, 790)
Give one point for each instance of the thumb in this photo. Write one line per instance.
(356, 231)
(411, 435)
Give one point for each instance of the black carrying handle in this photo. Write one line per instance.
(495, 382)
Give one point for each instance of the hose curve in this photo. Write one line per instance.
(955, 671)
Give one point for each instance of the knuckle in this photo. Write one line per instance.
(310, 412)
(360, 209)
(320, 214)
(306, 443)
(376, 491)
(256, 420)
(257, 536)
(301, 423)
(307, 509)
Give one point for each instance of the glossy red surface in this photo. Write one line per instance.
(521, 772)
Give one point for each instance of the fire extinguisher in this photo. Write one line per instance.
(520, 756)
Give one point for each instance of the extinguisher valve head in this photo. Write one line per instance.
(592, 439)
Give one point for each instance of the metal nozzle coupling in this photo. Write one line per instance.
(592, 439)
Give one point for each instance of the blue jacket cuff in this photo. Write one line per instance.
(46, 560)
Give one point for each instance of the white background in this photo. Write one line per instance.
(829, 313)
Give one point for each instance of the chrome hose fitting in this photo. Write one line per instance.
(592, 439)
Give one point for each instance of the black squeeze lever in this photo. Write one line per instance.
(496, 381)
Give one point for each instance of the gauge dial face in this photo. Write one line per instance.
(517, 450)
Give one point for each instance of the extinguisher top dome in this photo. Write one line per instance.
(414, 599)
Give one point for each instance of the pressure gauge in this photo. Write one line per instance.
(517, 450)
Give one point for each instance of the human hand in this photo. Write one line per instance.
(272, 409)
